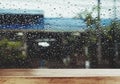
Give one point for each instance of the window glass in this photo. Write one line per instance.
(59, 34)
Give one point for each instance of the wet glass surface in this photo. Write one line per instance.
(59, 34)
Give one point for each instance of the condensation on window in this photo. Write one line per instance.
(59, 34)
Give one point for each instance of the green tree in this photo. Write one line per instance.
(94, 23)
(10, 52)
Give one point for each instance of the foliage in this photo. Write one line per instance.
(109, 35)
(10, 44)
(10, 51)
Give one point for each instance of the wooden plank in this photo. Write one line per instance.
(59, 72)
(81, 80)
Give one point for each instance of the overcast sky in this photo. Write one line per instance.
(62, 8)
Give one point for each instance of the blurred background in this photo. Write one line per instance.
(60, 34)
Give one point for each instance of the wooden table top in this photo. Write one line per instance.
(59, 72)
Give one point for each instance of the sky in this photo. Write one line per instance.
(63, 8)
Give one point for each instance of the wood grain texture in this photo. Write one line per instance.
(59, 76)
(59, 72)
(63, 80)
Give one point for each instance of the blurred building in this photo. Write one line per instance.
(21, 19)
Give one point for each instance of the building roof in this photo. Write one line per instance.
(21, 11)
